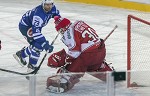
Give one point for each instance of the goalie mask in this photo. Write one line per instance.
(47, 5)
(61, 24)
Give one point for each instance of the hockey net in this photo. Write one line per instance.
(138, 52)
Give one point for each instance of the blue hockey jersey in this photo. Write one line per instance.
(36, 19)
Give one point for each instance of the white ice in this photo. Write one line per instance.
(101, 18)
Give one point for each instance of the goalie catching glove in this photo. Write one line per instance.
(57, 59)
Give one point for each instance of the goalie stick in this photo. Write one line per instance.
(110, 33)
(35, 71)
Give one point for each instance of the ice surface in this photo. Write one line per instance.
(101, 18)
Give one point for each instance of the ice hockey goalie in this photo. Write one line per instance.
(86, 53)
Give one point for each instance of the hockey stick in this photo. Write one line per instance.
(35, 71)
(110, 33)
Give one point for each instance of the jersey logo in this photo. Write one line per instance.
(37, 21)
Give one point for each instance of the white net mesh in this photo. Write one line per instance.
(140, 51)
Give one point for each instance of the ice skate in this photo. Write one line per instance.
(31, 68)
(19, 58)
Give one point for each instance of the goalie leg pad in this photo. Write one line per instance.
(61, 83)
(105, 67)
(102, 71)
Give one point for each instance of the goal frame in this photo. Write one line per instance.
(129, 18)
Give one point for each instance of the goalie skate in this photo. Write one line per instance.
(53, 89)
(57, 84)
(19, 59)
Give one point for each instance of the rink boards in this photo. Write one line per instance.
(117, 3)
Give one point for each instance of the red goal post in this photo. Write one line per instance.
(138, 50)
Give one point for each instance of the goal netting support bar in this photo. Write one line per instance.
(138, 51)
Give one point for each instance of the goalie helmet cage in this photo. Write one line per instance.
(138, 52)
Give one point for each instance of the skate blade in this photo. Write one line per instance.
(53, 89)
(17, 59)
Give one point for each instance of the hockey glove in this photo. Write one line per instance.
(57, 59)
(47, 47)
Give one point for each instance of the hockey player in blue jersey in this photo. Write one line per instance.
(30, 26)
